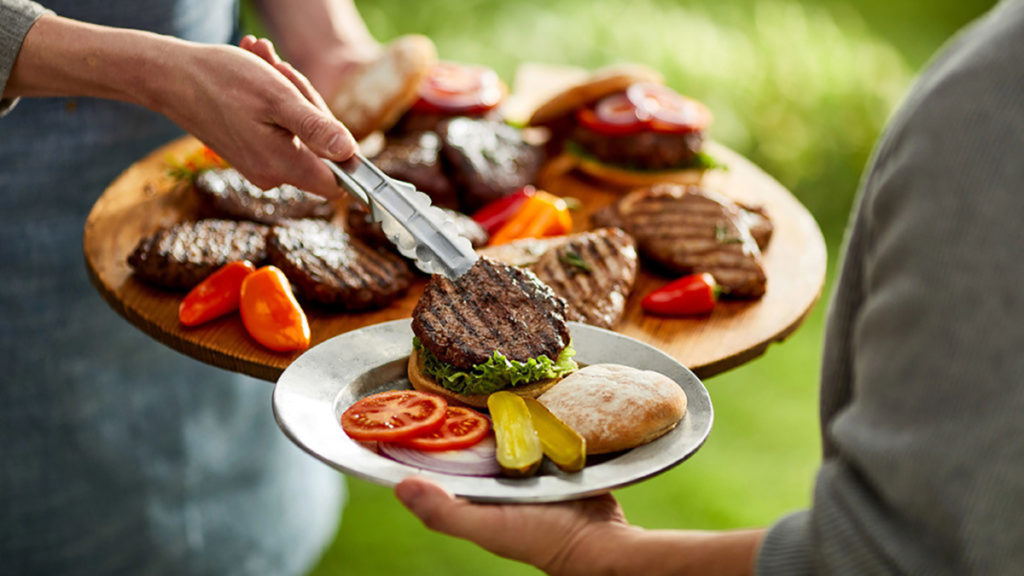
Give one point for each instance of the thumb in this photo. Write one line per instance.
(319, 131)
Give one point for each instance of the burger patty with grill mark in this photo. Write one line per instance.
(492, 307)
(183, 255)
(643, 150)
(328, 266)
(225, 193)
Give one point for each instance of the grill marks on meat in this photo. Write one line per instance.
(688, 229)
(594, 272)
(327, 266)
(492, 307)
(181, 256)
(225, 193)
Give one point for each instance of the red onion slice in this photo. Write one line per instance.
(477, 460)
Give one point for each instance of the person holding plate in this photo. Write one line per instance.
(921, 398)
(120, 455)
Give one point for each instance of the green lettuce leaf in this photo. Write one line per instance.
(497, 373)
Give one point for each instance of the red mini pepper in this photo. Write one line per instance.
(494, 215)
(270, 312)
(688, 296)
(215, 296)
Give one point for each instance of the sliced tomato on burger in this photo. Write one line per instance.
(394, 416)
(461, 428)
(455, 88)
(666, 110)
(613, 115)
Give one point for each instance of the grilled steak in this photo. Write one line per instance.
(181, 256)
(416, 158)
(594, 271)
(327, 266)
(687, 229)
(761, 227)
(363, 227)
(224, 193)
(486, 160)
(492, 307)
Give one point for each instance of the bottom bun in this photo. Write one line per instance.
(425, 383)
(627, 178)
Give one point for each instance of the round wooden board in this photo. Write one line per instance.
(144, 198)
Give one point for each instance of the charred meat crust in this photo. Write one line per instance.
(594, 271)
(492, 307)
(224, 193)
(643, 150)
(486, 160)
(686, 229)
(327, 266)
(181, 256)
(416, 158)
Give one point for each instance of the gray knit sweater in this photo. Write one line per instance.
(16, 17)
(922, 396)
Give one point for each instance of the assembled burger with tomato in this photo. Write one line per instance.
(453, 89)
(624, 127)
(496, 327)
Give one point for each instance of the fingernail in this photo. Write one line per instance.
(335, 146)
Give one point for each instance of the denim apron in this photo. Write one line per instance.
(118, 455)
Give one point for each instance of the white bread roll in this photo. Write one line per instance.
(616, 407)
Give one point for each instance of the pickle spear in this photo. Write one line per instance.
(519, 449)
(563, 445)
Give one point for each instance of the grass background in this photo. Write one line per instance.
(801, 87)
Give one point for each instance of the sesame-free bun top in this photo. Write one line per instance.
(379, 91)
(426, 383)
(616, 407)
(600, 83)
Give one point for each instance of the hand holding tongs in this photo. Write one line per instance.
(421, 232)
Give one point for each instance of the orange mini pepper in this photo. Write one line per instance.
(215, 296)
(543, 214)
(270, 312)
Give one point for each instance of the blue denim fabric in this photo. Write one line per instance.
(120, 456)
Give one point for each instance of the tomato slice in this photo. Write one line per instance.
(461, 428)
(611, 120)
(666, 110)
(393, 416)
(460, 89)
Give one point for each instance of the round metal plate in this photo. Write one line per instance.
(317, 387)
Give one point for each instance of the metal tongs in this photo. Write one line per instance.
(422, 232)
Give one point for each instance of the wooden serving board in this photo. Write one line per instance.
(144, 198)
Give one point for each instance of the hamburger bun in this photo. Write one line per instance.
(378, 92)
(616, 407)
(425, 383)
(600, 83)
(620, 177)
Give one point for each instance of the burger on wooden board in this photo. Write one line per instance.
(624, 127)
(496, 327)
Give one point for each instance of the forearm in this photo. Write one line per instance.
(63, 57)
(683, 553)
(305, 30)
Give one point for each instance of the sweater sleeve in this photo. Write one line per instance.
(16, 17)
(922, 389)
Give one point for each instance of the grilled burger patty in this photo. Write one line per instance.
(487, 160)
(224, 193)
(643, 150)
(594, 271)
(328, 266)
(687, 229)
(181, 256)
(492, 307)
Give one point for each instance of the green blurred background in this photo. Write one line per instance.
(802, 88)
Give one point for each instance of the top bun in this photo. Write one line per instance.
(600, 83)
(378, 92)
